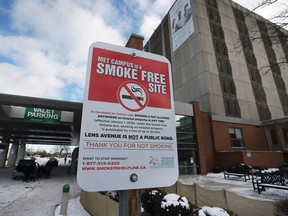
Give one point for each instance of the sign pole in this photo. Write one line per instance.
(130, 199)
(129, 203)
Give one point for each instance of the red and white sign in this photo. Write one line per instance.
(128, 132)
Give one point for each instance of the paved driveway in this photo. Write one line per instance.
(37, 198)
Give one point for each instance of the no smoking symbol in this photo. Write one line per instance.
(132, 96)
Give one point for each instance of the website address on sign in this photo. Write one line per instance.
(115, 168)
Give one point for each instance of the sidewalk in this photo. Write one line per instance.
(37, 198)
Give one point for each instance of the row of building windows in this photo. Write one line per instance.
(284, 42)
(256, 82)
(232, 107)
(166, 38)
(281, 88)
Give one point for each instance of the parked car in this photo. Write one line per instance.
(26, 168)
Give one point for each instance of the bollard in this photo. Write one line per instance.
(65, 198)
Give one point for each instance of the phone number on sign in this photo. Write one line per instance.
(101, 163)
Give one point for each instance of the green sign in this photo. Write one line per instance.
(42, 115)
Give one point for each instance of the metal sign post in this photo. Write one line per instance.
(130, 203)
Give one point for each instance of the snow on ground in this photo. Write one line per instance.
(216, 181)
(75, 208)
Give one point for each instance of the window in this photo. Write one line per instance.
(259, 93)
(187, 146)
(214, 15)
(232, 107)
(228, 85)
(236, 137)
(255, 75)
(264, 112)
(221, 48)
(271, 54)
(250, 58)
(246, 43)
(217, 31)
(239, 14)
(212, 3)
(262, 27)
(279, 82)
(242, 28)
(276, 69)
(224, 66)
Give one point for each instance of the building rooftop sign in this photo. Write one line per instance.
(128, 134)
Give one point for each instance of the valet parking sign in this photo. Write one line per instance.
(128, 132)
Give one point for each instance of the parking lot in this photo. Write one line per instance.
(39, 198)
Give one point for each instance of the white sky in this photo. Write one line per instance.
(44, 44)
(47, 148)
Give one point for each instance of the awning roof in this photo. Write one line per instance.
(20, 130)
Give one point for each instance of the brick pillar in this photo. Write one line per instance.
(135, 41)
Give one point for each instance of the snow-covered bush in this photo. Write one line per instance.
(212, 211)
(158, 203)
(175, 205)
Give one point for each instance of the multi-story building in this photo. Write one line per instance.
(235, 80)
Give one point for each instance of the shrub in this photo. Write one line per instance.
(151, 201)
(281, 207)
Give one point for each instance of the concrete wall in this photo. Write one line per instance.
(100, 205)
(195, 71)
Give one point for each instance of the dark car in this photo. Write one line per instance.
(26, 169)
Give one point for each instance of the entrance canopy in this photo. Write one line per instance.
(31, 120)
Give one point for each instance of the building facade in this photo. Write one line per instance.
(240, 87)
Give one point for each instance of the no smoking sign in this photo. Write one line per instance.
(133, 96)
(128, 121)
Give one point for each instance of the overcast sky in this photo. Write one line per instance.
(44, 44)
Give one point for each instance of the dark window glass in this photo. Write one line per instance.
(217, 31)
(236, 137)
(220, 47)
(214, 15)
(212, 3)
(273, 135)
(224, 66)
(187, 146)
